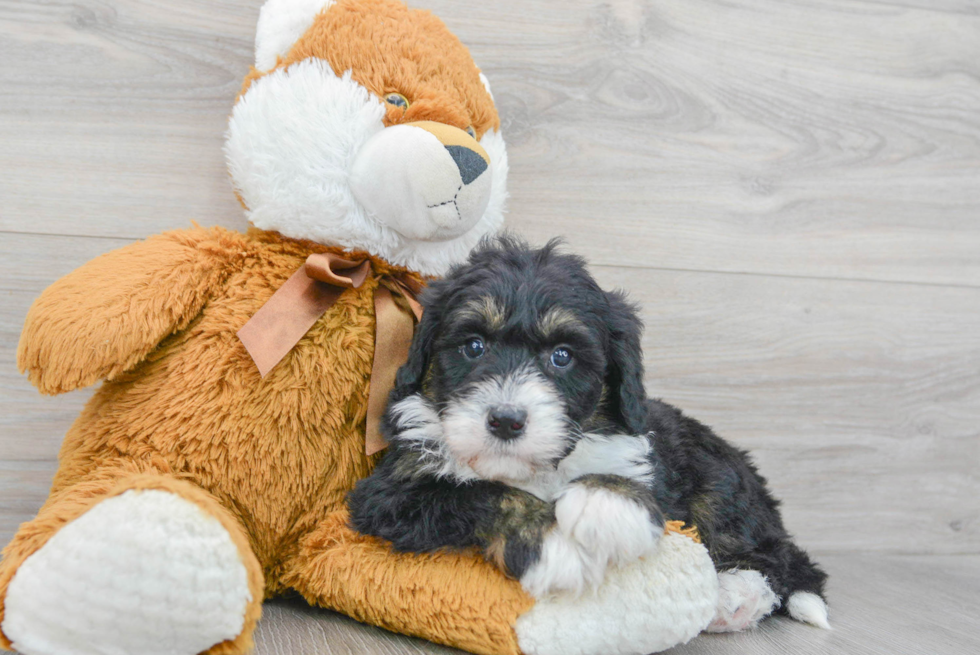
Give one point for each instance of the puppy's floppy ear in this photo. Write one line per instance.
(410, 376)
(627, 398)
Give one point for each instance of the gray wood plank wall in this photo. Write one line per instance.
(790, 188)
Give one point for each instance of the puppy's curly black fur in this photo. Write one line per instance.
(455, 476)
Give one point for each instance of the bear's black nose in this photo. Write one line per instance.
(506, 422)
(470, 164)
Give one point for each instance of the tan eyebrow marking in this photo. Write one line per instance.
(558, 319)
(486, 308)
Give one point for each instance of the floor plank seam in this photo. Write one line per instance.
(666, 269)
(71, 236)
(826, 278)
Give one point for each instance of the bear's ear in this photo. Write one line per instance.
(281, 23)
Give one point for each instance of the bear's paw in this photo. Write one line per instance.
(143, 572)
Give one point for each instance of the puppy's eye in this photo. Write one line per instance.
(397, 100)
(471, 131)
(561, 358)
(473, 348)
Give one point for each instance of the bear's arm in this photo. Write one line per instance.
(106, 316)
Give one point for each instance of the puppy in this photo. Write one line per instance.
(520, 425)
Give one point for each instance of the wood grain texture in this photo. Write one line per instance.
(799, 138)
(792, 138)
(291, 626)
(121, 108)
(879, 604)
(31, 425)
(30, 262)
(790, 189)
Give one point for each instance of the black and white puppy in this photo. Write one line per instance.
(520, 425)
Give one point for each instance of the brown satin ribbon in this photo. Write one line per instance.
(282, 321)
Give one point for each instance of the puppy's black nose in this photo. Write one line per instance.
(506, 422)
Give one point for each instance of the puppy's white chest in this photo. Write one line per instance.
(616, 454)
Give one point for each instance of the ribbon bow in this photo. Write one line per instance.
(282, 321)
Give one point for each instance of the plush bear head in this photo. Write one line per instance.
(367, 125)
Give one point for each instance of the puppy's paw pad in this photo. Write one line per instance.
(744, 599)
(143, 572)
(614, 528)
(561, 568)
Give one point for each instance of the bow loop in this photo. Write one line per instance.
(333, 269)
(282, 321)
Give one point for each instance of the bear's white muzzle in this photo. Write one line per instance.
(428, 181)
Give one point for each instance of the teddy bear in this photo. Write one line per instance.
(242, 375)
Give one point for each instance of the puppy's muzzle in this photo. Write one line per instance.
(506, 423)
(425, 180)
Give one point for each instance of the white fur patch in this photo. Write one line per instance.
(809, 608)
(650, 605)
(513, 462)
(562, 567)
(486, 85)
(144, 572)
(597, 529)
(420, 427)
(744, 599)
(615, 454)
(612, 529)
(291, 141)
(627, 455)
(281, 24)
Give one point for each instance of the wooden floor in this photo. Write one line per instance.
(891, 604)
(791, 189)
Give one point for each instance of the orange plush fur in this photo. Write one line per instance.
(422, 60)
(183, 408)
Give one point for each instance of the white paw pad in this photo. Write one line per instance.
(614, 529)
(744, 599)
(143, 572)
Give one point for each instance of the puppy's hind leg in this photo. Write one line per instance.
(777, 577)
(744, 599)
(803, 584)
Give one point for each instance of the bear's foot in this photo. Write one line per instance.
(144, 572)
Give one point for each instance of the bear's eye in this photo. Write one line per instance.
(561, 357)
(473, 348)
(471, 131)
(397, 100)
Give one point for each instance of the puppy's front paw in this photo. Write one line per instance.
(614, 519)
(562, 566)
